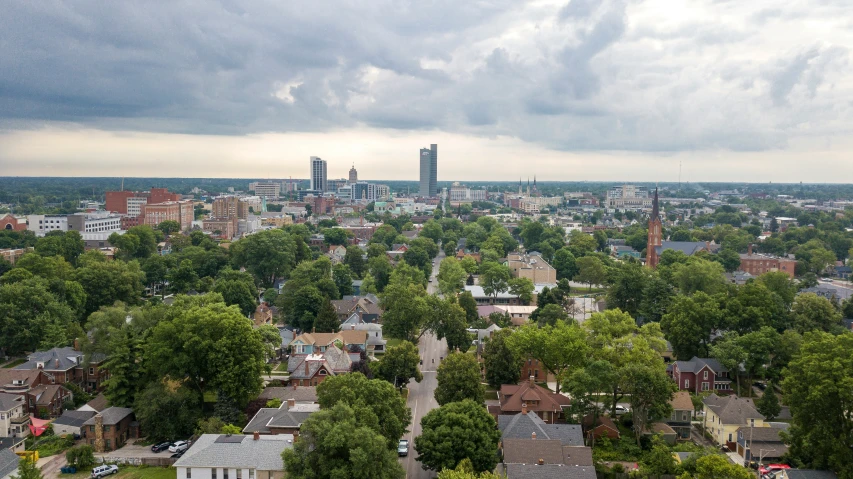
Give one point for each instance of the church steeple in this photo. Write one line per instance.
(655, 207)
(655, 237)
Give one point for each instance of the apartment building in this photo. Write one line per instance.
(532, 267)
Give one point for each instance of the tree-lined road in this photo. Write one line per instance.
(422, 395)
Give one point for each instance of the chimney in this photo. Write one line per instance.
(291, 403)
(56, 363)
(532, 435)
(532, 381)
(541, 461)
(295, 435)
(524, 408)
(257, 436)
(749, 249)
(76, 344)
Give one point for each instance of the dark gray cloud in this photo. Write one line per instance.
(576, 75)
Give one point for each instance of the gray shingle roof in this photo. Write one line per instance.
(282, 417)
(687, 247)
(522, 426)
(732, 409)
(10, 401)
(8, 462)
(111, 415)
(298, 394)
(549, 471)
(809, 474)
(74, 418)
(696, 364)
(263, 454)
(56, 359)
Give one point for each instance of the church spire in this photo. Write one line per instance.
(655, 207)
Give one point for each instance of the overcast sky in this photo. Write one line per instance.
(564, 90)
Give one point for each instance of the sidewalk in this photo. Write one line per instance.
(50, 465)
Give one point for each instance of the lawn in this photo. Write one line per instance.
(132, 472)
(490, 394)
(393, 342)
(281, 367)
(16, 362)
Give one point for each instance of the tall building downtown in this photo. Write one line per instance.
(429, 171)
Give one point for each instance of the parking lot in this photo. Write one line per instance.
(131, 450)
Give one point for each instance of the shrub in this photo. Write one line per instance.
(81, 457)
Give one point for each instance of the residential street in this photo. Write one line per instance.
(421, 399)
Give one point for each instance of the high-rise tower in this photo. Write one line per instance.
(353, 175)
(318, 174)
(429, 171)
(655, 234)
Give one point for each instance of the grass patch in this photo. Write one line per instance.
(490, 394)
(132, 472)
(14, 362)
(281, 367)
(405, 393)
(50, 445)
(393, 342)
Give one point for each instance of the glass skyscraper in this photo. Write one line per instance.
(429, 171)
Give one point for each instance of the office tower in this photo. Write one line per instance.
(353, 175)
(429, 171)
(318, 174)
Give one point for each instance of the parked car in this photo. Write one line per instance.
(102, 471)
(772, 468)
(179, 446)
(160, 447)
(620, 410)
(403, 448)
(177, 455)
(760, 385)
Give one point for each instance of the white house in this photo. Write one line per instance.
(227, 456)
(14, 421)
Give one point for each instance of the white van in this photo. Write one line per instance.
(102, 471)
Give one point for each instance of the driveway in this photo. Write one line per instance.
(131, 450)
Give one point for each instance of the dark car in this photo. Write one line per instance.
(178, 454)
(761, 386)
(160, 447)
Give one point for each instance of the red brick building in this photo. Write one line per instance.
(655, 234)
(116, 201)
(180, 211)
(9, 222)
(757, 263)
(701, 374)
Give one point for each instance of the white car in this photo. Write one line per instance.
(179, 446)
(620, 410)
(102, 471)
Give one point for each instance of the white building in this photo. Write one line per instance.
(266, 190)
(629, 197)
(462, 194)
(134, 205)
(318, 174)
(43, 224)
(14, 421)
(220, 456)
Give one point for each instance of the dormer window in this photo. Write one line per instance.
(40, 365)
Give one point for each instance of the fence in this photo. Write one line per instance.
(139, 461)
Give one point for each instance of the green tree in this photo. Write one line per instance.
(465, 470)
(447, 320)
(659, 460)
(811, 312)
(716, 466)
(327, 319)
(81, 457)
(451, 276)
(406, 311)
(355, 260)
(502, 363)
(817, 387)
(459, 379)
(399, 364)
(375, 403)
(564, 263)
(336, 236)
(28, 310)
(494, 278)
(268, 255)
(730, 353)
(238, 289)
(455, 432)
(167, 411)
(690, 322)
(68, 244)
(27, 469)
(521, 288)
(729, 259)
(169, 226)
(210, 346)
(108, 282)
(469, 304)
(560, 348)
(581, 244)
(650, 389)
(551, 314)
(183, 278)
(627, 286)
(336, 443)
(657, 296)
(768, 404)
(590, 271)
(699, 275)
(342, 276)
(585, 385)
(432, 230)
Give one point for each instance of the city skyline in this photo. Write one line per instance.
(733, 91)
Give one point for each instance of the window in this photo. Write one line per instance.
(189, 473)
(239, 474)
(251, 474)
(730, 437)
(91, 371)
(224, 473)
(107, 443)
(686, 383)
(106, 429)
(705, 375)
(704, 386)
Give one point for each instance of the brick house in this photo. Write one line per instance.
(110, 429)
(312, 369)
(42, 398)
(701, 374)
(529, 396)
(67, 365)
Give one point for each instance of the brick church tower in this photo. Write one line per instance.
(655, 234)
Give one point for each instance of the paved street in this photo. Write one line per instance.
(421, 400)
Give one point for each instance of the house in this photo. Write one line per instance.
(14, 419)
(682, 413)
(23, 383)
(97, 404)
(830, 292)
(262, 315)
(366, 307)
(546, 471)
(760, 444)
(47, 400)
(503, 298)
(533, 368)
(524, 426)
(544, 451)
(529, 396)
(623, 251)
(701, 374)
(110, 429)
(300, 394)
(71, 422)
(483, 334)
(805, 474)
(286, 419)
(221, 456)
(843, 272)
(314, 343)
(724, 415)
(375, 343)
(312, 369)
(687, 247)
(337, 254)
(662, 429)
(603, 427)
(67, 365)
(8, 463)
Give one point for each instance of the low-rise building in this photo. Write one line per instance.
(8, 463)
(221, 456)
(700, 375)
(531, 266)
(286, 419)
(682, 414)
(66, 365)
(529, 396)
(757, 264)
(110, 429)
(71, 422)
(14, 419)
(724, 415)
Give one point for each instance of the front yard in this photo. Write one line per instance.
(131, 472)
